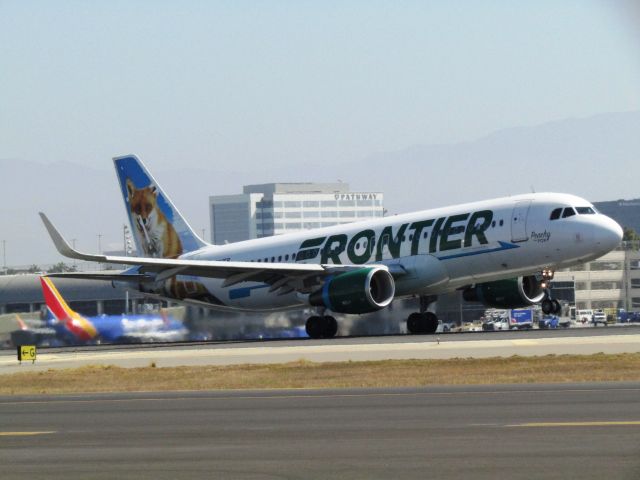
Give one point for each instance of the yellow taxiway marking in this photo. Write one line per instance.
(576, 424)
(23, 434)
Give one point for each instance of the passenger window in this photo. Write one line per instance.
(568, 212)
(555, 214)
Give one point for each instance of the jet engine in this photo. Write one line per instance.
(510, 293)
(359, 291)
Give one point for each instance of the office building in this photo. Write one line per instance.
(276, 208)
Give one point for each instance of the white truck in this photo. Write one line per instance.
(599, 317)
(584, 316)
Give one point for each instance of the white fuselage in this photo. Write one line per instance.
(432, 251)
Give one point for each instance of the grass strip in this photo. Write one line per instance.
(304, 374)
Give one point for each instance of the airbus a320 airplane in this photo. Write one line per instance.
(500, 252)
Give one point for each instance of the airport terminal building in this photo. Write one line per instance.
(23, 293)
(612, 281)
(276, 208)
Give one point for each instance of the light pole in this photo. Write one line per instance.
(4, 256)
(73, 243)
(100, 248)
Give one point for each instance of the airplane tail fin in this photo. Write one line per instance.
(48, 317)
(56, 305)
(158, 228)
(76, 324)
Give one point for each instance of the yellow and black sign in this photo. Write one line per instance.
(26, 352)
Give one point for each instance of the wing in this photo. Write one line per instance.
(282, 277)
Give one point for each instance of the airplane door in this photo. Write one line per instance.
(519, 221)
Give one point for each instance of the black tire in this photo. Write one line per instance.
(315, 327)
(431, 322)
(415, 324)
(330, 327)
(557, 308)
(547, 306)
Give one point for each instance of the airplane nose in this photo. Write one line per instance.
(609, 234)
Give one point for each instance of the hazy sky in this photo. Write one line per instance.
(256, 83)
(246, 86)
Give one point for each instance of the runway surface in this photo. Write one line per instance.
(587, 431)
(477, 345)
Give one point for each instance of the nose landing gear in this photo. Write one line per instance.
(550, 306)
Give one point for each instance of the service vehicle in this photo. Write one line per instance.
(599, 317)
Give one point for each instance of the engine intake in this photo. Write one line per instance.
(359, 291)
(510, 293)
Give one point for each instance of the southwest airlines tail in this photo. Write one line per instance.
(158, 228)
(74, 324)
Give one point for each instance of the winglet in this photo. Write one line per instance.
(63, 246)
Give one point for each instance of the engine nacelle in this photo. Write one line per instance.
(359, 291)
(510, 293)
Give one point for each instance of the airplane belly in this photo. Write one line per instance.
(466, 265)
(249, 296)
(209, 291)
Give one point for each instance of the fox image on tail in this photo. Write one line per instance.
(157, 235)
(159, 229)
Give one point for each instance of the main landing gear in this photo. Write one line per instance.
(323, 326)
(423, 321)
(549, 306)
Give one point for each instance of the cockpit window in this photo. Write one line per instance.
(568, 212)
(585, 211)
(555, 214)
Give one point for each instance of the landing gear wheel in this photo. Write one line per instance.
(557, 308)
(547, 306)
(321, 327)
(420, 323)
(314, 326)
(431, 322)
(414, 323)
(330, 327)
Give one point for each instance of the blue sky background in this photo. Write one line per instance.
(254, 82)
